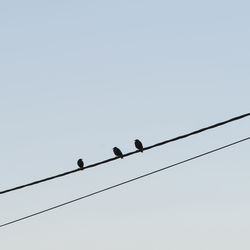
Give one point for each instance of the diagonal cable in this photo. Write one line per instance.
(123, 183)
(128, 154)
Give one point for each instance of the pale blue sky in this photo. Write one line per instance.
(79, 77)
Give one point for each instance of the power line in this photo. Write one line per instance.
(122, 183)
(128, 154)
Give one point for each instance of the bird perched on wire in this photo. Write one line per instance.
(139, 145)
(80, 163)
(118, 152)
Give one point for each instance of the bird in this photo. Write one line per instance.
(139, 145)
(80, 163)
(118, 152)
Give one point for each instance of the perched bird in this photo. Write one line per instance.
(138, 145)
(118, 152)
(80, 163)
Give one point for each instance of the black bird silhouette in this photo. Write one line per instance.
(80, 163)
(138, 145)
(118, 152)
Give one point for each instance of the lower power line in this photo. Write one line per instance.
(123, 183)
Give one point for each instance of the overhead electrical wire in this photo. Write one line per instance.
(127, 154)
(123, 183)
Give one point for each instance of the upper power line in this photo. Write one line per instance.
(128, 154)
(123, 183)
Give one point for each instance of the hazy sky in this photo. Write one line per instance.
(80, 77)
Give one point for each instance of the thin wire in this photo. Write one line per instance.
(122, 183)
(127, 154)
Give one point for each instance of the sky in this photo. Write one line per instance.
(80, 77)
